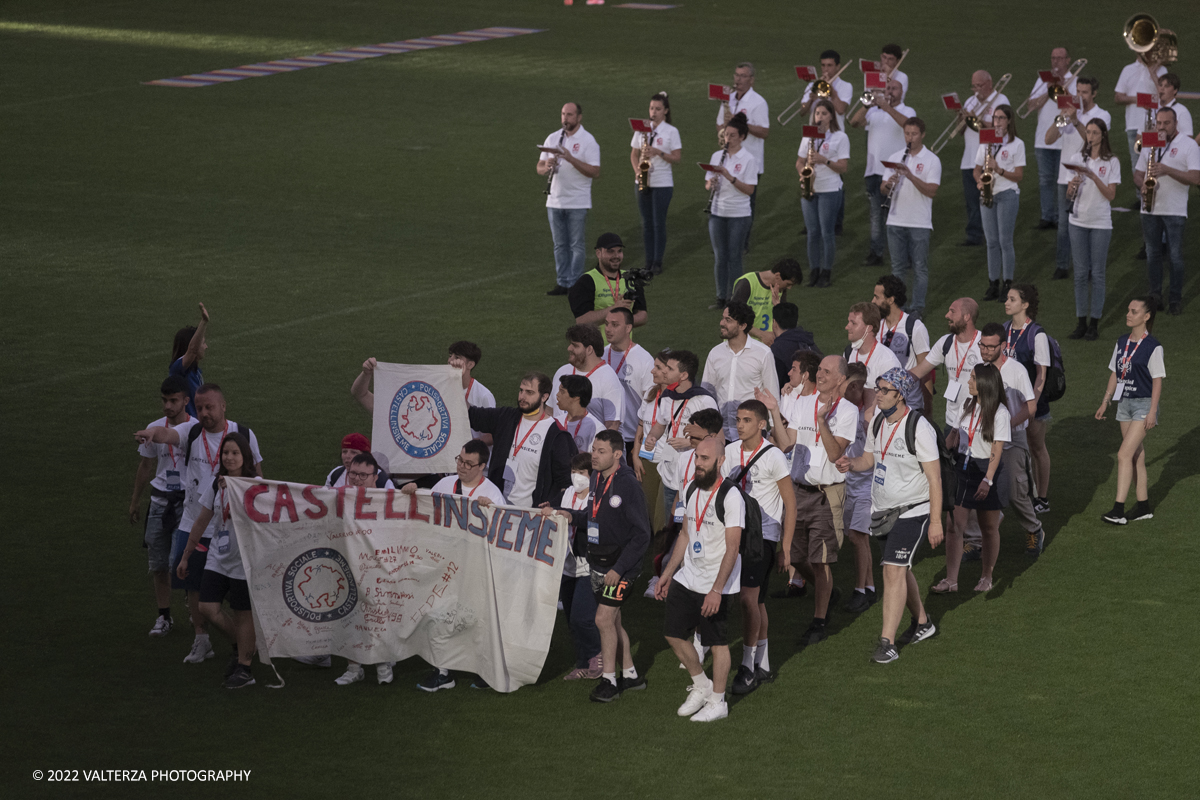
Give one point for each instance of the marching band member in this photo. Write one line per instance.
(884, 123)
(830, 161)
(732, 185)
(1140, 76)
(981, 85)
(1168, 88)
(889, 58)
(843, 92)
(1071, 139)
(1047, 152)
(1091, 221)
(744, 100)
(1000, 220)
(664, 150)
(912, 188)
(569, 172)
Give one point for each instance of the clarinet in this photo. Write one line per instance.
(712, 195)
(554, 170)
(886, 205)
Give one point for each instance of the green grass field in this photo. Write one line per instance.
(390, 206)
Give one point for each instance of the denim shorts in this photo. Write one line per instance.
(1133, 409)
(161, 519)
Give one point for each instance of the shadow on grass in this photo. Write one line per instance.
(1178, 461)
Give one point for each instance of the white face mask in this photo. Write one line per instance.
(857, 344)
(580, 482)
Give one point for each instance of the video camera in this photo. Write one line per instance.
(635, 282)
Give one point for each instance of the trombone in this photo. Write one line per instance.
(964, 119)
(867, 98)
(821, 90)
(1054, 90)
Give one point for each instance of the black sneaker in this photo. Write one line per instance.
(816, 633)
(239, 678)
(814, 277)
(557, 291)
(835, 597)
(1045, 224)
(763, 676)
(745, 681)
(604, 692)
(872, 260)
(872, 596)
(1060, 274)
(792, 590)
(826, 280)
(1141, 255)
(231, 667)
(717, 305)
(1035, 543)
(1041, 505)
(1080, 329)
(630, 684)
(885, 653)
(1141, 512)
(918, 633)
(1175, 309)
(479, 683)
(971, 552)
(857, 603)
(1115, 518)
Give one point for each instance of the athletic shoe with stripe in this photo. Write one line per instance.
(694, 702)
(353, 674)
(162, 626)
(604, 692)
(918, 633)
(1113, 518)
(436, 681)
(201, 649)
(1035, 543)
(712, 711)
(885, 653)
(240, 678)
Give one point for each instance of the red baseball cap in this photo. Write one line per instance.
(356, 441)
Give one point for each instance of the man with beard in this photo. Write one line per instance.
(738, 366)
(585, 356)
(958, 351)
(603, 289)
(901, 332)
(862, 325)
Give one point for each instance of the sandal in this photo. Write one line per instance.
(944, 586)
(984, 585)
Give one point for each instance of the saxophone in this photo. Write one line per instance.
(1150, 184)
(643, 174)
(808, 173)
(987, 179)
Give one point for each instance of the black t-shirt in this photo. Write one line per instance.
(582, 297)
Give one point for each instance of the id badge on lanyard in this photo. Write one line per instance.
(593, 532)
(221, 540)
(1119, 391)
(173, 482)
(953, 388)
(880, 472)
(679, 509)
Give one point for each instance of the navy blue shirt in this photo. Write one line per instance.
(1137, 365)
(194, 378)
(785, 346)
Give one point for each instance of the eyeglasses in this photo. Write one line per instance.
(462, 462)
(363, 475)
(881, 390)
(995, 346)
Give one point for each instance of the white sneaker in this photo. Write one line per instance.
(383, 672)
(162, 626)
(695, 701)
(315, 661)
(353, 674)
(650, 589)
(201, 650)
(712, 711)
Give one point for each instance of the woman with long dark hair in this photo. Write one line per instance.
(983, 429)
(1090, 222)
(1000, 218)
(1028, 343)
(831, 159)
(731, 184)
(663, 150)
(1136, 386)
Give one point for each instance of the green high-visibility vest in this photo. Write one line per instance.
(760, 302)
(604, 295)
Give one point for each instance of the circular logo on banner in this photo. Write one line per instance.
(318, 586)
(419, 420)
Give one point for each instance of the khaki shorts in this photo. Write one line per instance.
(818, 538)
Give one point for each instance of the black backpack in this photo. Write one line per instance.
(946, 459)
(751, 547)
(194, 434)
(1056, 373)
(381, 479)
(908, 331)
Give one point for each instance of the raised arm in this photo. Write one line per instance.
(193, 352)
(361, 388)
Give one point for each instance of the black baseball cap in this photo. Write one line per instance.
(608, 241)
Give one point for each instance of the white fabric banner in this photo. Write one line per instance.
(376, 575)
(420, 419)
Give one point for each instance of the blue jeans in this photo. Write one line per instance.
(1047, 161)
(567, 229)
(971, 200)
(579, 606)
(653, 206)
(1154, 228)
(999, 222)
(910, 250)
(879, 236)
(728, 237)
(1090, 246)
(1062, 252)
(1131, 140)
(669, 498)
(820, 217)
(841, 217)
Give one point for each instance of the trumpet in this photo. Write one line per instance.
(965, 119)
(1054, 90)
(643, 173)
(821, 89)
(808, 172)
(867, 98)
(987, 179)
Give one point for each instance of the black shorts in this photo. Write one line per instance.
(970, 475)
(683, 616)
(900, 546)
(757, 574)
(195, 563)
(215, 587)
(616, 595)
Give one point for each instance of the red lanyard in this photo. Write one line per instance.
(688, 468)
(1011, 346)
(977, 415)
(742, 459)
(521, 443)
(618, 367)
(578, 425)
(581, 498)
(958, 371)
(701, 514)
(614, 288)
(576, 372)
(896, 327)
(470, 386)
(1127, 357)
(883, 455)
(816, 408)
(208, 452)
(677, 419)
(858, 357)
(600, 496)
(170, 448)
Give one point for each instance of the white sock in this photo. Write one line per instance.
(748, 657)
(797, 580)
(611, 677)
(629, 672)
(203, 636)
(760, 655)
(870, 588)
(443, 672)
(718, 698)
(702, 682)
(860, 591)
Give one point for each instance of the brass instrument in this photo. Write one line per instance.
(965, 119)
(1073, 192)
(643, 173)
(867, 98)
(1150, 184)
(1143, 35)
(808, 173)
(1055, 90)
(821, 89)
(716, 180)
(1147, 127)
(728, 115)
(554, 170)
(987, 179)
(897, 179)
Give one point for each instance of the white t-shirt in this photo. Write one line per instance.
(583, 431)
(787, 403)
(632, 368)
(608, 395)
(1135, 79)
(1007, 157)
(763, 482)
(835, 147)
(484, 488)
(706, 541)
(676, 414)
(731, 202)
(479, 396)
(571, 188)
(1018, 390)
(878, 359)
(223, 555)
(858, 484)
(168, 474)
(959, 361)
(910, 208)
(521, 470)
(666, 139)
(810, 461)
(970, 137)
(899, 344)
(1171, 196)
(970, 432)
(732, 378)
(1072, 141)
(1183, 117)
(754, 106)
(843, 89)
(898, 479)
(1048, 111)
(884, 136)
(202, 468)
(1092, 209)
(575, 566)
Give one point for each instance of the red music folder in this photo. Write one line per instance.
(867, 65)
(718, 92)
(1047, 76)
(1152, 139)
(812, 132)
(990, 136)
(951, 101)
(807, 74)
(1067, 101)
(640, 125)
(1146, 100)
(875, 80)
